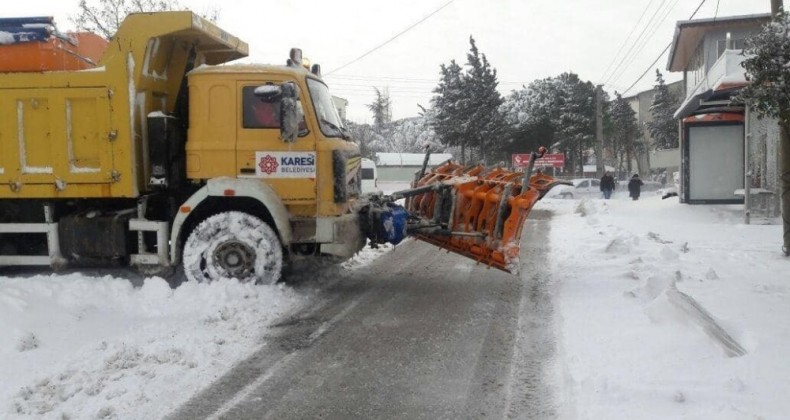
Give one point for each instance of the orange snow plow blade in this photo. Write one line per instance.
(476, 212)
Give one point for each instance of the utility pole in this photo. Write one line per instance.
(784, 162)
(599, 131)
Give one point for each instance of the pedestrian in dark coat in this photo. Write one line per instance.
(607, 185)
(635, 187)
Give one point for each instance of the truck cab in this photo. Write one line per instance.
(236, 132)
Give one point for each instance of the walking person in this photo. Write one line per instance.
(635, 187)
(607, 185)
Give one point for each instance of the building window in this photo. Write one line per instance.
(737, 44)
(695, 71)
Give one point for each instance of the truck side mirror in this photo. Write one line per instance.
(287, 94)
(269, 93)
(290, 112)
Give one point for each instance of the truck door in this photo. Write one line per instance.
(289, 168)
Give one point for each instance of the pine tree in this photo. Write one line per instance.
(623, 132)
(576, 119)
(447, 104)
(485, 124)
(663, 128)
(466, 104)
(381, 107)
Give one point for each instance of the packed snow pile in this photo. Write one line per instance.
(669, 311)
(76, 346)
(83, 347)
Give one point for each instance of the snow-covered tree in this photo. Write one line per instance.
(466, 104)
(381, 107)
(103, 17)
(366, 137)
(576, 119)
(485, 125)
(622, 133)
(768, 71)
(556, 111)
(408, 135)
(663, 128)
(530, 114)
(448, 106)
(768, 93)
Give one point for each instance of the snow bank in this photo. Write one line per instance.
(82, 347)
(669, 311)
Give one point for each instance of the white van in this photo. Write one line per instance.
(370, 176)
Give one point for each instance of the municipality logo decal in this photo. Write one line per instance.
(268, 164)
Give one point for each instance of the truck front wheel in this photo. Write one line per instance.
(236, 245)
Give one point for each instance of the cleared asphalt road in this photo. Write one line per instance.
(420, 333)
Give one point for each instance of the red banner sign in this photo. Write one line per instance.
(521, 160)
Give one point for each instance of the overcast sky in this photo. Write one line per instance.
(523, 39)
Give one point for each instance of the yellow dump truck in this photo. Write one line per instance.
(159, 153)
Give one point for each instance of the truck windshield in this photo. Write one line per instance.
(325, 110)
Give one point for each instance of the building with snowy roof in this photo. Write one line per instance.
(403, 166)
(720, 140)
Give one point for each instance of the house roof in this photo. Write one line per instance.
(593, 168)
(689, 33)
(410, 159)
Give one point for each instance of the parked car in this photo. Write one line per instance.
(370, 177)
(582, 187)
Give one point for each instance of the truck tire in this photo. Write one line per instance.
(236, 245)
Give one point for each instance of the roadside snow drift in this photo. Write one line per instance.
(669, 311)
(82, 347)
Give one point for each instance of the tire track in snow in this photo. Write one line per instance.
(298, 332)
(530, 392)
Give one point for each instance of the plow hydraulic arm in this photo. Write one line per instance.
(472, 211)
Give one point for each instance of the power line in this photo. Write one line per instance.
(638, 38)
(391, 39)
(648, 67)
(653, 32)
(625, 40)
(662, 52)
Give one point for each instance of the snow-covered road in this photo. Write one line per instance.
(419, 333)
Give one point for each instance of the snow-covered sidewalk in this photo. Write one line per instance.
(668, 310)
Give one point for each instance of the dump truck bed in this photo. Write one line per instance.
(83, 133)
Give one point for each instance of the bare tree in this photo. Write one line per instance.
(103, 17)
